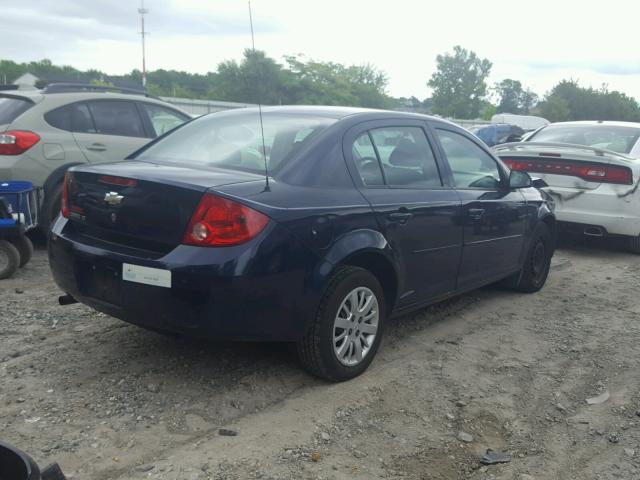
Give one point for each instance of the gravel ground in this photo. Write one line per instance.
(490, 369)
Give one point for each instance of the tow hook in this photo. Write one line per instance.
(66, 300)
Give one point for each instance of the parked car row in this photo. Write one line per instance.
(310, 225)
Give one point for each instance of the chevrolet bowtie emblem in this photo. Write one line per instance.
(113, 198)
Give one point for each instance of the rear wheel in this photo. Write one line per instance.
(634, 245)
(536, 266)
(345, 335)
(9, 259)
(24, 247)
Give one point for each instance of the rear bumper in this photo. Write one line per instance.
(615, 209)
(256, 291)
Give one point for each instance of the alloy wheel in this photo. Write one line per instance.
(355, 326)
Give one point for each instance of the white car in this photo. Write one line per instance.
(592, 170)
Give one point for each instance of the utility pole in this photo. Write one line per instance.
(143, 11)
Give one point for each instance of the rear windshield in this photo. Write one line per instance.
(609, 137)
(11, 108)
(234, 140)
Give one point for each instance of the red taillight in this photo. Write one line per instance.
(15, 142)
(64, 207)
(120, 181)
(591, 172)
(219, 222)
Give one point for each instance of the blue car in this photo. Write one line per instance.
(313, 226)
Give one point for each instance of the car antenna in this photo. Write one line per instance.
(264, 148)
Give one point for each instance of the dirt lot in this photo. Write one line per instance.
(110, 401)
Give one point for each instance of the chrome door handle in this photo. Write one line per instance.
(400, 217)
(97, 147)
(476, 213)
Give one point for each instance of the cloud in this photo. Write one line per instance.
(606, 68)
(111, 20)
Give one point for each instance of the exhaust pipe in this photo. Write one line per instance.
(594, 232)
(66, 300)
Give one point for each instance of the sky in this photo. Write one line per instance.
(539, 42)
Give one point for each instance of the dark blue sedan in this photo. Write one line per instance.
(314, 228)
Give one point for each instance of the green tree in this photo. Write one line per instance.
(488, 111)
(331, 83)
(256, 79)
(568, 101)
(514, 98)
(510, 93)
(555, 109)
(459, 83)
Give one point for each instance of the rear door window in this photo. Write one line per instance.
(72, 118)
(12, 107)
(115, 117)
(406, 157)
(163, 119)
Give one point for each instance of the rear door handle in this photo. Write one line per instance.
(400, 217)
(97, 147)
(476, 213)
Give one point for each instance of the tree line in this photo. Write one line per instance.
(257, 78)
(460, 90)
(459, 87)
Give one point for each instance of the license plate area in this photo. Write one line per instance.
(100, 281)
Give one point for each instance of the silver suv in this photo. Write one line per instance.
(44, 132)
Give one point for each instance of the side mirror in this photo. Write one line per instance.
(518, 179)
(539, 183)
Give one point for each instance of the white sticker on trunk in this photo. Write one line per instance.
(149, 276)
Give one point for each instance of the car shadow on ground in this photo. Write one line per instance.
(228, 360)
(592, 245)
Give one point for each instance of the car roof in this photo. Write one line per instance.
(337, 112)
(54, 100)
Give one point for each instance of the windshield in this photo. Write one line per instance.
(235, 140)
(11, 108)
(609, 137)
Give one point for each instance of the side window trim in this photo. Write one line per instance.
(85, 104)
(146, 121)
(385, 183)
(446, 175)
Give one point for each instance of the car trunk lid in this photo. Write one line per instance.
(565, 166)
(140, 205)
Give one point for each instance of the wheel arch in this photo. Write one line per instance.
(57, 176)
(370, 250)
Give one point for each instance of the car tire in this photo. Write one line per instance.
(537, 263)
(51, 208)
(634, 245)
(334, 347)
(9, 259)
(25, 248)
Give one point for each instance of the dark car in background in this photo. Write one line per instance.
(363, 215)
(498, 133)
